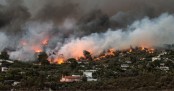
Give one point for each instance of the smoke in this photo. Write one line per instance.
(32, 41)
(70, 26)
(4, 41)
(146, 32)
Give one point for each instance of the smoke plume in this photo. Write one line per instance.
(146, 32)
(70, 26)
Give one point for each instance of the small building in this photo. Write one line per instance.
(73, 78)
(9, 61)
(124, 66)
(15, 83)
(89, 76)
(128, 62)
(163, 67)
(91, 79)
(4, 69)
(155, 58)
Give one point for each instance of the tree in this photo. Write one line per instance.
(84, 78)
(94, 75)
(73, 63)
(4, 55)
(87, 55)
(42, 57)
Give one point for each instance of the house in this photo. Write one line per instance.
(163, 67)
(15, 83)
(4, 69)
(128, 62)
(9, 61)
(73, 78)
(159, 56)
(155, 58)
(124, 66)
(88, 74)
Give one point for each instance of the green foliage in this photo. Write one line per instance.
(42, 57)
(4, 55)
(73, 63)
(84, 79)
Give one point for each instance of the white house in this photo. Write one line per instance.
(128, 62)
(163, 67)
(124, 66)
(88, 74)
(4, 69)
(156, 58)
(15, 83)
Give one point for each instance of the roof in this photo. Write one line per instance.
(72, 77)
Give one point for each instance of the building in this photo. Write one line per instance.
(73, 78)
(163, 67)
(4, 69)
(15, 83)
(89, 76)
(124, 66)
(156, 58)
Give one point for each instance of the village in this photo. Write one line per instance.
(131, 62)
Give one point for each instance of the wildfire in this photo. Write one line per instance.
(151, 50)
(109, 53)
(60, 59)
(130, 50)
(37, 49)
(142, 48)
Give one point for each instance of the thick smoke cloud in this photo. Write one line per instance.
(93, 25)
(146, 32)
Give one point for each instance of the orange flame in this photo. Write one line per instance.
(60, 60)
(130, 50)
(36, 49)
(109, 53)
(142, 48)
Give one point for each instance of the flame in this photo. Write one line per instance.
(130, 50)
(109, 53)
(142, 48)
(37, 49)
(60, 60)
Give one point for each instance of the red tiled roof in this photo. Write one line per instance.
(72, 77)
